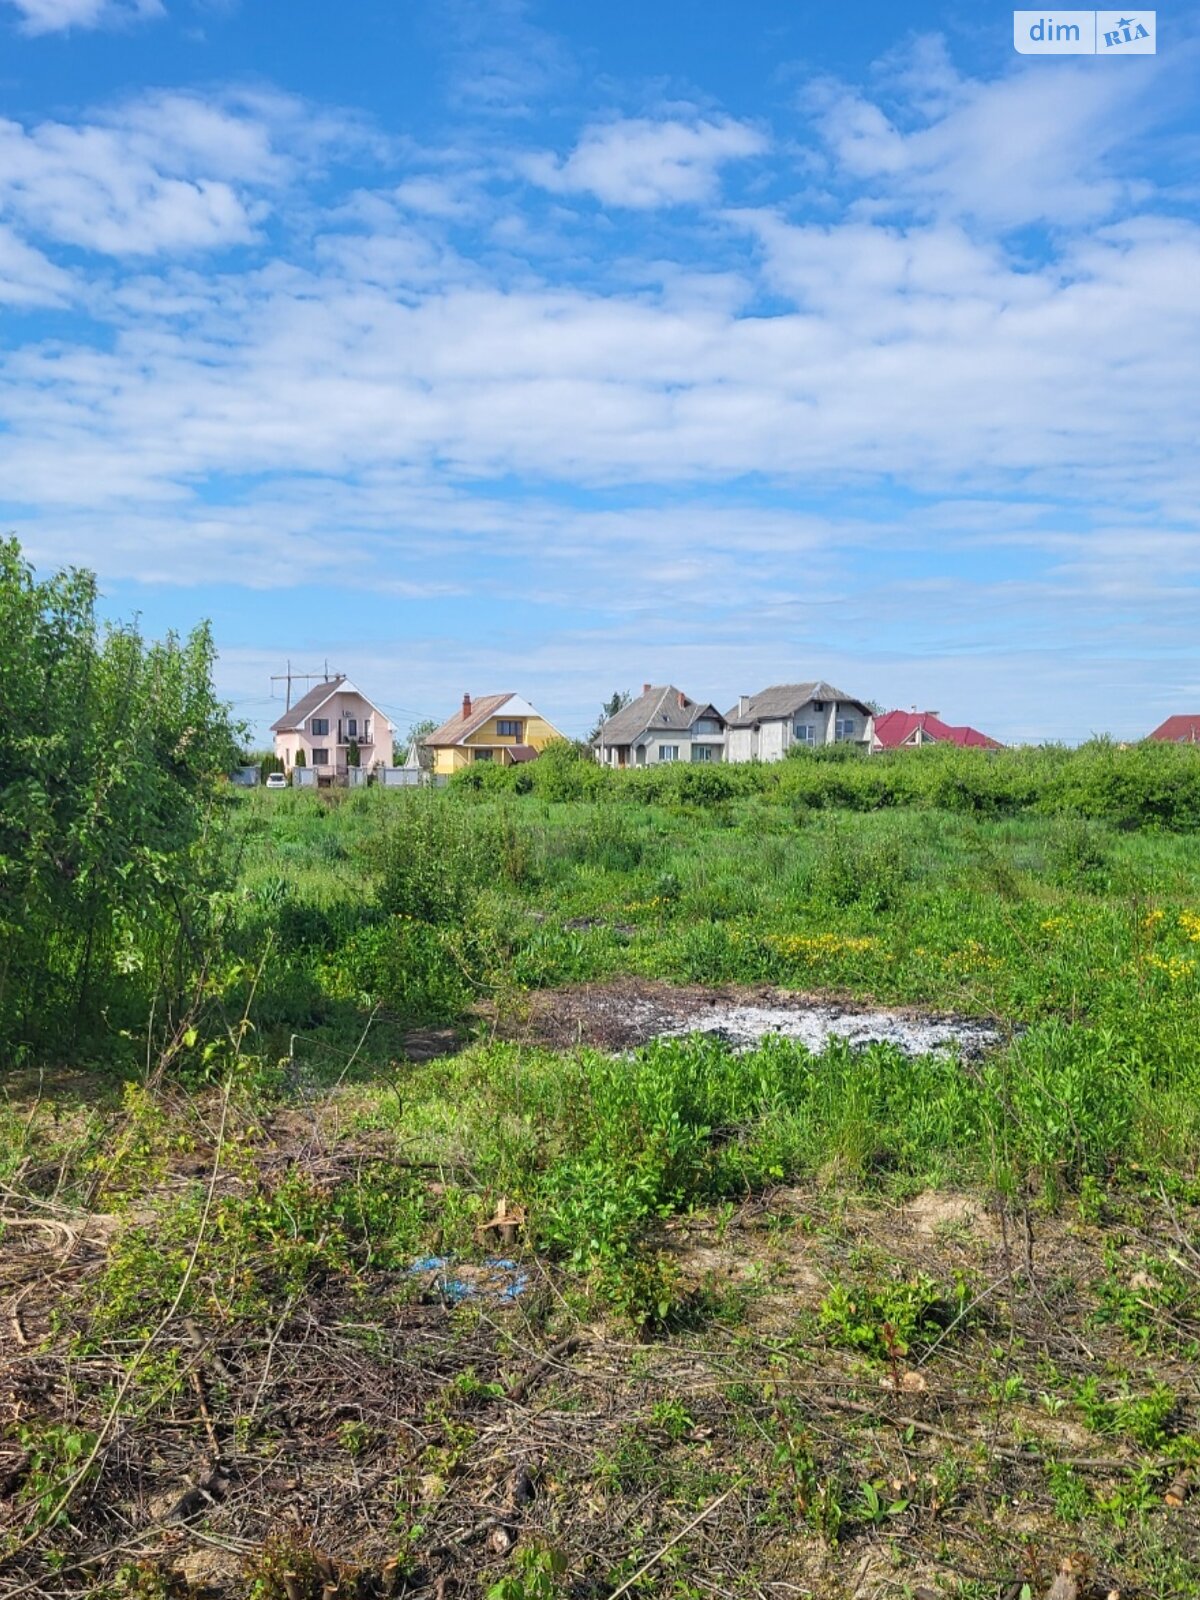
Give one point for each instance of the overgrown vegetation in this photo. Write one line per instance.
(343, 1254)
(109, 747)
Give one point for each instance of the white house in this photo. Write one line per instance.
(332, 725)
(765, 726)
(661, 725)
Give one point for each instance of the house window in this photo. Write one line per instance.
(805, 733)
(844, 728)
(706, 725)
(483, 755)
(704, 752)
(508, 730)
(319, 727)
(668, 752)
(352, 727)
(320, 758)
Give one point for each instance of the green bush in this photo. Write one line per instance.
(420, 971)
(434, 857)
(111, 754)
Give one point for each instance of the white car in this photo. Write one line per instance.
(276, 780)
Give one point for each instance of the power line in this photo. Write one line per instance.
(286, 677)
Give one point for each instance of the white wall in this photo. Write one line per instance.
(775, 736)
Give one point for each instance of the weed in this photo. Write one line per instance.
(894, 1319)
(539, 1569)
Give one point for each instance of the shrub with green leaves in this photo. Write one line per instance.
(111, 749)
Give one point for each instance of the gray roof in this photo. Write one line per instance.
(662, 707)
(294, 717)
(785, 699)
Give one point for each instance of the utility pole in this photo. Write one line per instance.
(309, 677)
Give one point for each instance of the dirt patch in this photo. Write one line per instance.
(935, 1214)
(629, 1012)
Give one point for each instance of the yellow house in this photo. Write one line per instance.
(494, 727)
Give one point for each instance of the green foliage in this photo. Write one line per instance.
(849, 871)
(538, 1571)
(110, 749)
(1144, 785)
(1143, 1418)
(1150, 1306)
(433, 859)
(56, 1453)
(617, 701)
(1079, 857)
(803, 1490)
(419, 970)
(891, 1319)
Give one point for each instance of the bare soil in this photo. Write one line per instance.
(628, 1012)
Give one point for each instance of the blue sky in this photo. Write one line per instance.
(556, 348)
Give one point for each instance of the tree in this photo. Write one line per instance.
(301, 759)
(617, 701)
(112, 750)
(352, 754)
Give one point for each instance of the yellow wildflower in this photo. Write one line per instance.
(1175, 967)
(818, 945)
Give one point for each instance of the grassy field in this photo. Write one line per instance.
(768, 1324)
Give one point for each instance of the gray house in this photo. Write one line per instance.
(661, 725)
(765, 726)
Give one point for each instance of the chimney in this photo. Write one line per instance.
(743, 704)
(466, 706)
(682, 699)
(645, 688)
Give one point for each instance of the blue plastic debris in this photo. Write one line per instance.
(497, 1278)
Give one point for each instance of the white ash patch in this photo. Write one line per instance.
(743, 1027)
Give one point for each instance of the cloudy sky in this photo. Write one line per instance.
(500, 344)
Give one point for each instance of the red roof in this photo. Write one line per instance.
(521, 752)
(895, 728)
(1179, 730)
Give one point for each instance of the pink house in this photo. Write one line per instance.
(332, 724)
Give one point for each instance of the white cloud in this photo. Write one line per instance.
(914, 354)
(117, 189)
(502, 62)
(27, 278)
(167, 172)
(57, 16)
(1038, 145)
(433, 197)
(737, 406)
(642, 162)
